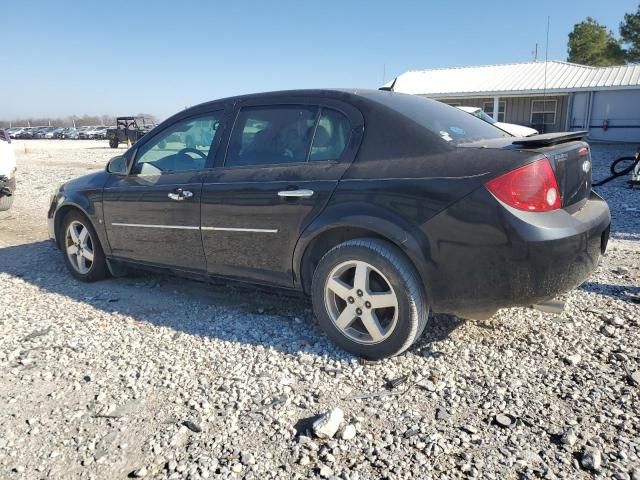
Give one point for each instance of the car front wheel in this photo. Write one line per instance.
(369, 299)
(83, 253)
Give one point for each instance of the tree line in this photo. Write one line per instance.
(590, 43)
(68, 121)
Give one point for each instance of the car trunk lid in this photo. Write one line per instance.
(572, 165)
(570, 158)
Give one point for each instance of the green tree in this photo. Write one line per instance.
(630, 34)
(591, 44)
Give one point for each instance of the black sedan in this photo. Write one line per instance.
(381, 206)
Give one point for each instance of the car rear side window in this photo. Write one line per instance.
(271, 135)
(181, 147)
(450, 124)
(331, 137)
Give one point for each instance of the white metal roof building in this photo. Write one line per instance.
(549, 96)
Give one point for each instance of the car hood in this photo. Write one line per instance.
(95, 179)
(516, 130)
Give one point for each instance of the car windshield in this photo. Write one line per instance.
(451, 124)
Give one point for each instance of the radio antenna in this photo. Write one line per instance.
(546, 61)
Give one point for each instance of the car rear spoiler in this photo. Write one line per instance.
(547, 139)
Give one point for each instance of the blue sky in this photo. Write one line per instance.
(118, 57)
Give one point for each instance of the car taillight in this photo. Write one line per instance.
(532, 188)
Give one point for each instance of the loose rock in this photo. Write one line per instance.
(569, 437)
(194, 427)
(591, 459)
(139, 473)
(504, 420)
(328, 424)
(325, 472)
(348, 432)
(572, 360)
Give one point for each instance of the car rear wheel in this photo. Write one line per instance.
(83, 253)
(369, 299)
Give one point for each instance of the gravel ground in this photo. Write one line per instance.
(155, 377)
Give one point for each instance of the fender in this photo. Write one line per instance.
(87, 199)
(376, 219)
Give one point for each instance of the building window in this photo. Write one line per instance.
(502, 110)
(543, 112)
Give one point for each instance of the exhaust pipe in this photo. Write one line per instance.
(552, 306)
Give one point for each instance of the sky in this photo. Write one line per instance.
(124, 57)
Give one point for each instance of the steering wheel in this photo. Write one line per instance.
(192, 150)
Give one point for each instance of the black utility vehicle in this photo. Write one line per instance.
(129, 128)
(381, 206)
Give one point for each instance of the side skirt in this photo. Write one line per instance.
(120, 267)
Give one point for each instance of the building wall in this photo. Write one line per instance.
(518, 109)
(621, 110)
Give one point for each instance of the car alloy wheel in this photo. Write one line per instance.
(369, 298)
(361, 302)
(79, 247)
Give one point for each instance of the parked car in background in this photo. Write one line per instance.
(99, 133)
(59, 132)
(381, 206)
(41, 132)
(70, 133)
(7, 171)
(54, 132)
(83, 132)
(25, 133)
(513, 129)
(14, 132)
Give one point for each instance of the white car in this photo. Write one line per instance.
(7, 171)
(512, 128)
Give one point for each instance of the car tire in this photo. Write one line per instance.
(113, 143)
(83, 254)
(384, 318)
(5, 203)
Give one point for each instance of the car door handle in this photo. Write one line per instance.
(301, 193)
(179, 195)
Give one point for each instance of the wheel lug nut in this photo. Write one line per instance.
(360, 293)
(351, 299)
(359, 311)
(367, 304)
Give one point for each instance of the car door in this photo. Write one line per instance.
(152, 215)
(282, 163)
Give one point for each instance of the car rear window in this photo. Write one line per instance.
(450, 124)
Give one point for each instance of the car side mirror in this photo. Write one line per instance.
(118, 165)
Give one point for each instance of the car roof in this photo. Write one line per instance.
(379, 98)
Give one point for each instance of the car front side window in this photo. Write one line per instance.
(182, 147)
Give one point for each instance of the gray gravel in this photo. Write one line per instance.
(154, 377)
